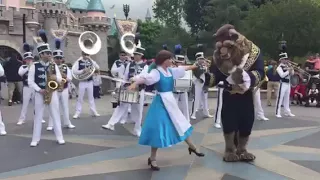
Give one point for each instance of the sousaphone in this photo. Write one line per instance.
(90, 43)
(129, 42)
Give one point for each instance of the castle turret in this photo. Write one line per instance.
(97, 21)
(52, 14)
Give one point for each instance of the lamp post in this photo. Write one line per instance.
(126, 10)
(282, 44)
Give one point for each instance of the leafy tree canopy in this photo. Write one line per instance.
(193, 14)
(219, 12)
(149, 31)
(154, 35)
(297, 20)
(169, 12)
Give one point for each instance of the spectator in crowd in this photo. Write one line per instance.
(13, 78)
(274, 79)
(313, 95)
(298, 93)
(2, 82)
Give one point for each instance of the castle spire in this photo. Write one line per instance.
(148, 15)
(95, 6)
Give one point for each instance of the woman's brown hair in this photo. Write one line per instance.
(162, 56)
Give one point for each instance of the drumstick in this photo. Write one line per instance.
(115, 79)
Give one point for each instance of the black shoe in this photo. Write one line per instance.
(10, 103)
(153, 168)
(195, 152)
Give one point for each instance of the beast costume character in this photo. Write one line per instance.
(239, 64)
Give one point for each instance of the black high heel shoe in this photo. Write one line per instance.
(153, 168)
(195, 152)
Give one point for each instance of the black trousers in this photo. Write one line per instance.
(96, 91)
(237, 114)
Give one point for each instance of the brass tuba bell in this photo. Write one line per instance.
(90, 43)
(129, 42)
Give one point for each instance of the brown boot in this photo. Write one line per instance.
(230, 154)
(242, 150)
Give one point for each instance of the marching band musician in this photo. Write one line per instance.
(2, 126)
(39, 76)
(201, 91)
(117, 70)
(257, 101)
(258, 107)
(119, 67)
(28, 92)
(79, 68)
(181, 97)
(133, 70)
(285, 72)
(63, 91)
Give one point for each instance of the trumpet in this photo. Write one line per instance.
(295, 67)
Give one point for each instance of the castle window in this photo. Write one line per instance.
(61, 12)
(53, 4)
(73, 11)
(51, 12)
(80, 12)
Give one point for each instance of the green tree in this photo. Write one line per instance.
(169, 12)
(258, 3)
(193, 14)
(172, 37)
(219, 12)
(149, 32)
(297, 20)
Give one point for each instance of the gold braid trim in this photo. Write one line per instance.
(254, 54)
(212, 80)
(256, 74)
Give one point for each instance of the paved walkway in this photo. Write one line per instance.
(285, 149)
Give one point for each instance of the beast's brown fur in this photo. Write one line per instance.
(231, 46)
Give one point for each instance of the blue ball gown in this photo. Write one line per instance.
(158, 130)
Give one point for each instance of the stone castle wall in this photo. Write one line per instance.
(45, 15)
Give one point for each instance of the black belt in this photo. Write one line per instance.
(284, 80)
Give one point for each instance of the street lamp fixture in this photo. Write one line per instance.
(126, 10)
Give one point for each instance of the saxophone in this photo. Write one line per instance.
(263, 81)
(51, 85)
(62, 68)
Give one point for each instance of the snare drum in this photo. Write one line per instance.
(148, 97)
(129, 96)
(183, 84)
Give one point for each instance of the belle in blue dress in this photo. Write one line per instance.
(165, 125)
